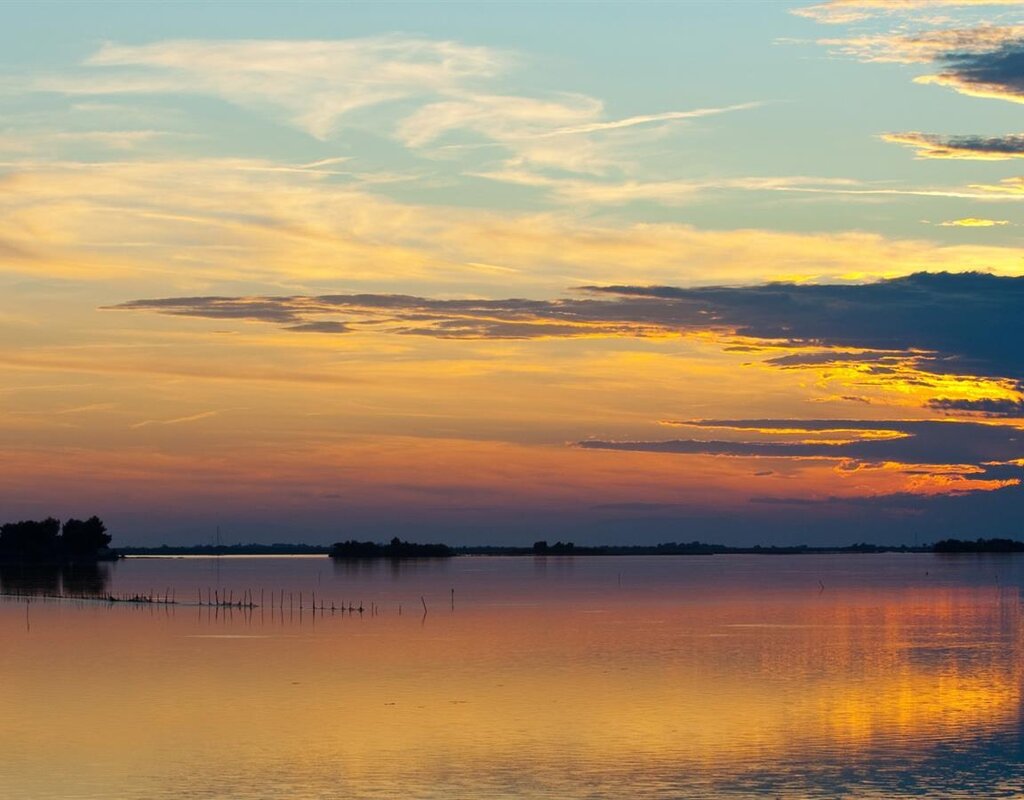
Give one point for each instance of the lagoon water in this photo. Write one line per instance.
(854, 676)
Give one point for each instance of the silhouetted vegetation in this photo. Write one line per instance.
(979, 546)
(542, 548)
(396, 548)
(84, 537)
(47, 541)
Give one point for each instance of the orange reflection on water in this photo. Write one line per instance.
(486, 697)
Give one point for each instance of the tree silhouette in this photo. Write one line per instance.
(41, 541)
(84, 538)
(395, 549)
(30, 539)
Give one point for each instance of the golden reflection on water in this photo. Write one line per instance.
(605, 697)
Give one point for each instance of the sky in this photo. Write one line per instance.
(492, 273)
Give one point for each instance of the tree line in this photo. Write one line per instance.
(396, 548)
(49, 540)
(979, 546)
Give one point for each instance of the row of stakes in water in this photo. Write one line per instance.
(215, 598)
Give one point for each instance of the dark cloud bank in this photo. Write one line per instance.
(967, 323)
(999, 71)
(915, 441)
(969, 453)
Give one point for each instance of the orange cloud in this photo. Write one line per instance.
(846, 11)
(973, 222)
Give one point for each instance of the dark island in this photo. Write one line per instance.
(48, 542)
(979, 546)
(396, 548)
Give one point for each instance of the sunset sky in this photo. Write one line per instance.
(490, 273)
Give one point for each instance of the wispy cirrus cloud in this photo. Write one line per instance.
(296, 223)
(34, 142)
(564, 132)
(315, 83)
(175, 420)
(648, 119)
(433, 96)
(579, 191)
(597, 192)
(516, 126)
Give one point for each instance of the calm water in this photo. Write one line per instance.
(876, 676)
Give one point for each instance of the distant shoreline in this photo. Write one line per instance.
(946, 546)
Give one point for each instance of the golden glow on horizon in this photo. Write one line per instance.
(168, 407)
